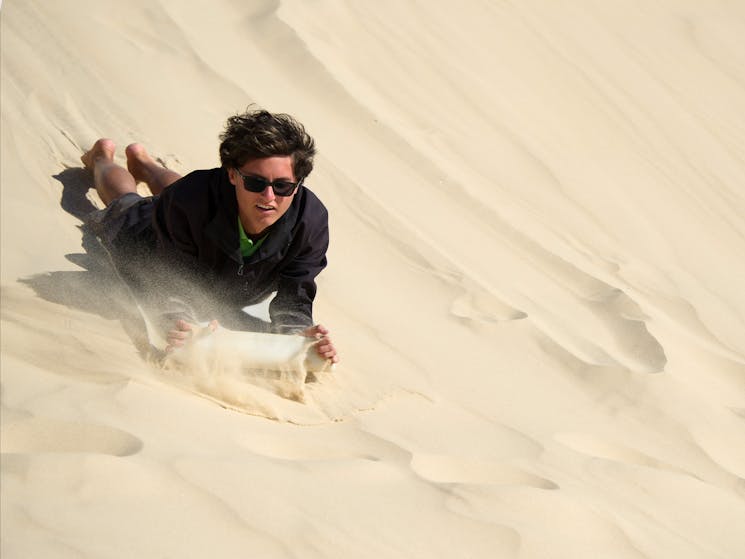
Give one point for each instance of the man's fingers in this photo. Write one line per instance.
(326, 349)
(183, 331)
(175, 342)
(183, 325)
(175, 338)
(178, 335)
(173, 345)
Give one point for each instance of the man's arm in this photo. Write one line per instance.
(291, 310)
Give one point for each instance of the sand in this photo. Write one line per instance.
(535, 282)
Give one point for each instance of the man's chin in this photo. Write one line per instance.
(262, 224)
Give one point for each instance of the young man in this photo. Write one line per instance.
(221, 239)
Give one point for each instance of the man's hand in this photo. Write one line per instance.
(182, 332)
(324, 346)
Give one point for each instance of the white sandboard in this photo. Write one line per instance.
(248, 350)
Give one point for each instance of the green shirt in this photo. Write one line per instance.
(248, 247)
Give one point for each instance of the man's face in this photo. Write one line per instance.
(259, 210)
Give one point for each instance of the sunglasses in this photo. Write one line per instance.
(281, 187)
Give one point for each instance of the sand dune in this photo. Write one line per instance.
(535, 281)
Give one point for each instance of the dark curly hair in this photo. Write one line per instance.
(258, 133)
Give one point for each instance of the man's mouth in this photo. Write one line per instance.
(264, 208)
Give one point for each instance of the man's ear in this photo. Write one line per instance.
(231, 175)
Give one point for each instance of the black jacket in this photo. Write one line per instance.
(195, 221)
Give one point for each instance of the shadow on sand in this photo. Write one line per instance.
(97, 288)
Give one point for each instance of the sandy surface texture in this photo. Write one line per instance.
(536, 283)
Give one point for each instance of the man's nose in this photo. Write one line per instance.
(268, 192)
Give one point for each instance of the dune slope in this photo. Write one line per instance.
(535, 282)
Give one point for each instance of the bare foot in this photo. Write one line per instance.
(103, 149)
(140, 163)
(146, 169)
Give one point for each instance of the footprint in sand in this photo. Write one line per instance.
(41, 435)
(482, 307)
(448, 469)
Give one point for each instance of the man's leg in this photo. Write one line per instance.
(145, 169)
(111, 180)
